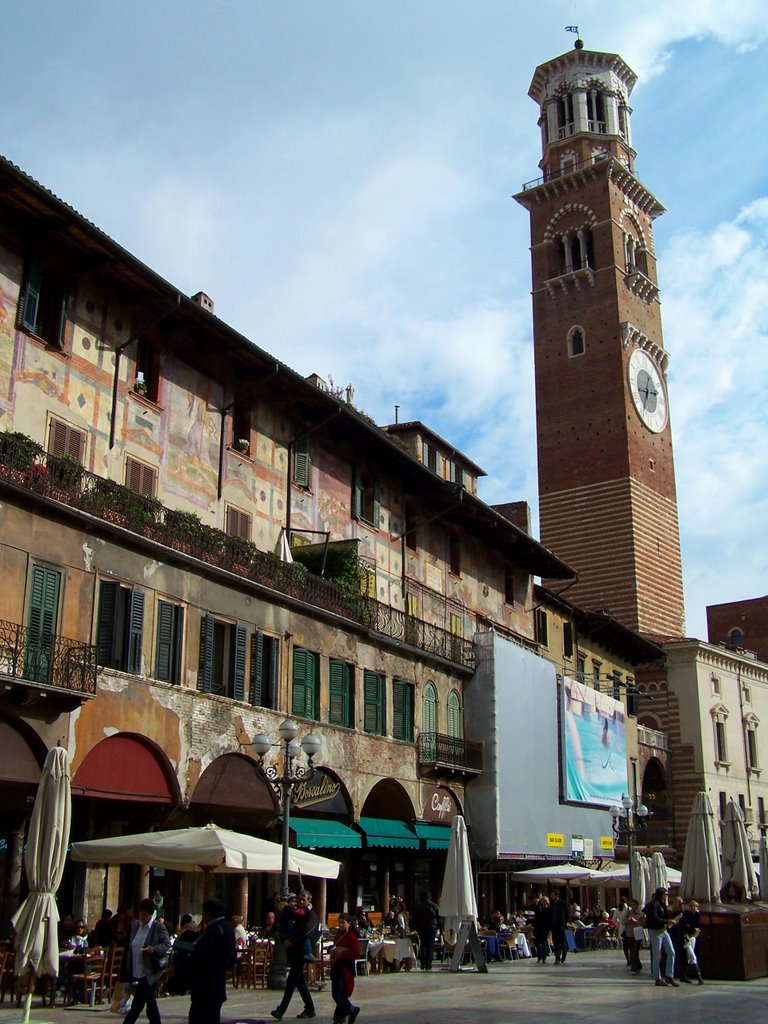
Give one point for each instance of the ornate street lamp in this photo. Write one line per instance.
(628, 824)
(283, 786)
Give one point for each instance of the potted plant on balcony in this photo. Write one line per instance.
(18, 453)
(140, 385)
(243, 446)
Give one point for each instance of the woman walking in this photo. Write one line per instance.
(345, 950)
(147, 958)
(542, 925)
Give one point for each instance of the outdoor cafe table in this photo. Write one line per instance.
(394, 951)
(491, 943)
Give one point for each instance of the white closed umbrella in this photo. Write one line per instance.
(659, 878)
(37, 919)
(458, 902)
(738, 870)
(638, 888)
(763, 866)
(701, 878)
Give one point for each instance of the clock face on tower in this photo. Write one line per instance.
(646, 385)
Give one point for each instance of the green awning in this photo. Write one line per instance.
(316, 833)
(437, 837)
(388, 832)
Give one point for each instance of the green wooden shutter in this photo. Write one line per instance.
(376, 503)
(257, 668)
(338, 710)
(166, 641)
(402, 710)
(106, 631)
(45, 587)
(135, 631)
(302, 462)
(357, 494)
(239, 640)
(30, 302)
(430, 709)
(304, 683)
(454, 715)
(205, 672)
(373, 703)
(273, 650)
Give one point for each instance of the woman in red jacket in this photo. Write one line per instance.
(345, 950)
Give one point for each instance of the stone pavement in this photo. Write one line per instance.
(591, 988)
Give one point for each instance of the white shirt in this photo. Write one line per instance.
(138, 943)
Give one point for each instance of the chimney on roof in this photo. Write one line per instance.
(517, 512)
(203, 300)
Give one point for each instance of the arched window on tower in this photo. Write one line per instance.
(576, 250)
(576, 342)
(596, 111)
(565, 116)
(635, 254)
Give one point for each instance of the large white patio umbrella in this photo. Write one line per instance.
(458, 902)
(208, 849)
(701, 879)
(37, 919)
(763, 866)
(659, 878)
(738, 870)
(555, 874)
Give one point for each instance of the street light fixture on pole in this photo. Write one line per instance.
(283, 787)
(628, 824)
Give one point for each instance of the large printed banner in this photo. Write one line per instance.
(594, 746)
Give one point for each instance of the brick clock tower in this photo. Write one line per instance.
(606, 472)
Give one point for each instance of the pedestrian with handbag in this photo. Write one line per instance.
(148, 950)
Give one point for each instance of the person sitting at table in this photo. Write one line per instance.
(241, 935)
(361, 924)
(271, 927)
(102, 930)
(78, 941)
(66, 930)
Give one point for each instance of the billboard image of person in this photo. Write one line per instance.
(594, 746)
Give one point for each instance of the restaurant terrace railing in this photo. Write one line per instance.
(62, 478)
(438, 750)
(36, 656)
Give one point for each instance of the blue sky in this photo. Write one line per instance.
(337, 176)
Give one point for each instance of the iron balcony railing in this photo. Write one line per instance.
(37, 656)
(23, 462)
(436, 749)
(569, 168)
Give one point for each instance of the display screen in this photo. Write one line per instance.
(594, 746)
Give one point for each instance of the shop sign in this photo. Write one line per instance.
(439, 805)
(322, 792)
(556, 839)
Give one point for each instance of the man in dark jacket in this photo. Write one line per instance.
(212, 956)
(298, 930)
(559, 917)
(657, 917)
(425, 918)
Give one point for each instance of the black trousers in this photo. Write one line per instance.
(426, 948)
(296, 982)
(144, 996)
(559, 944)
(205, 1008)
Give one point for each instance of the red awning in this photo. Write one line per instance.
(124, 768)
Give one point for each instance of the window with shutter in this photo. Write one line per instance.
(366, 497)
(205, 673)
(239, 640)
(264, 668)
(65, 440)
(374, 709)
(238, 524)
(120, 627)
(140, 478)
(340, 706)
(454, 715)
(170, 625)
(45, 586)
(43, 303)
(302, 462)
(429, 712)
(402, 710)
(304, 683)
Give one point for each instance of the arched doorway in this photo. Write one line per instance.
(393, 854)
